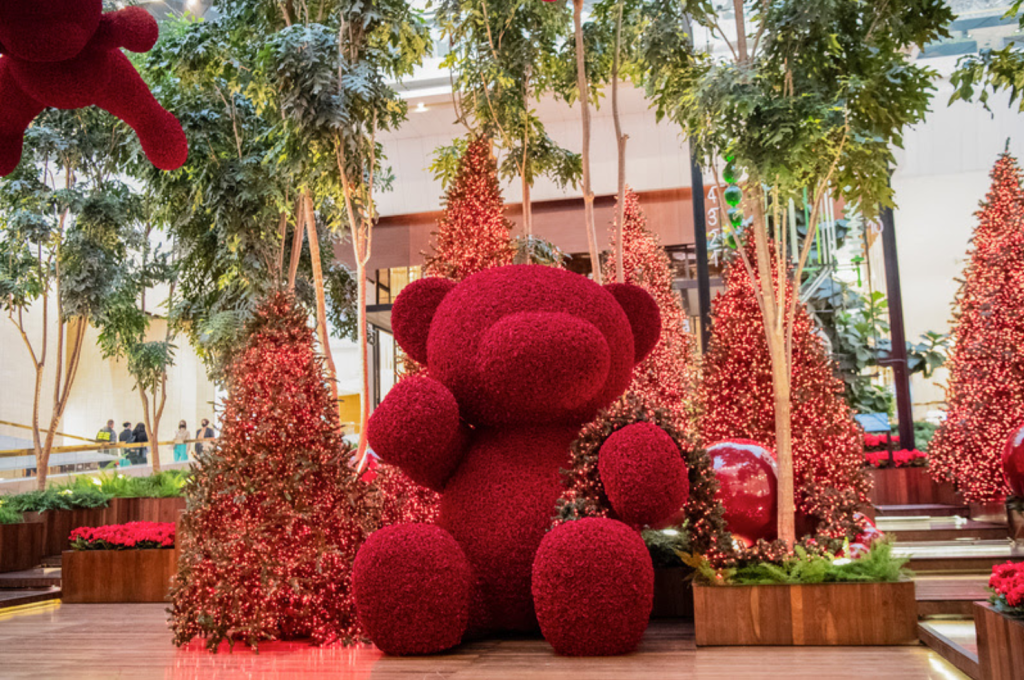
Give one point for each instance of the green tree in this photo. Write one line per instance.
(65, 218)
(991, 71)
(502, 57)
(812, 98)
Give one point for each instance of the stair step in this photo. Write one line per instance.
(940, 529)
(949, 594)
(52, 560)
(930, 510)
(958, 556)
(31, 578)
(17, 598)
(954, 641)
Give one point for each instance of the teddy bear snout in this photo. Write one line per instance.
(545, 363)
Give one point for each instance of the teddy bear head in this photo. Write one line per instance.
(47, 30)
(527, 344)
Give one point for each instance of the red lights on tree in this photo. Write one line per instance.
(738, 402)
(473, 232)
(666, 378)
(275, 513)
(985, 394)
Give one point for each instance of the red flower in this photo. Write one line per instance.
(134, 535)
(1007, 583)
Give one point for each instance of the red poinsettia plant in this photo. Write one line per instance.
(1007, 586)
(901, 458)
(130, 536)
(879, 442)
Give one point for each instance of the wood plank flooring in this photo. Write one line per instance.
(92, 642)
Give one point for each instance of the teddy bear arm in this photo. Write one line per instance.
(17, 110)
(132, 28)
(417, 429)
(644, 475)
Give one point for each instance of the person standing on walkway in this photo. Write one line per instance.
(180, 447)
(204, 433)
(126, 437)
(142, 452)
(106, 435)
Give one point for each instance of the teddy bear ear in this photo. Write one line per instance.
(643, 314)
(414, 310)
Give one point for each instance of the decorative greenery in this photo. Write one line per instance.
(130, 536)
(993, 70)
(94, 491)
(877, 565)
(58, 499)
(666, 545)
(541, 252)
(9, 515)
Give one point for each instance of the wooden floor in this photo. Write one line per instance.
(89, 642)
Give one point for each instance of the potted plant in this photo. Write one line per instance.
(1000, 623)
(21, 542)
(810, 598)
(131, 562)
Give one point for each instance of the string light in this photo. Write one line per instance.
(666, 378)
(985, 393)
(738, 401)
(275, 513)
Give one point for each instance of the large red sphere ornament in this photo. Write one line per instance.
(748, 488)
(1013, 462)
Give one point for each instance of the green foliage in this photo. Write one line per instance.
(502, 56)
(877, 565)
(991, 71)
(9, 515)
(665, 545)
(540, 251)
(824, 83)
(93, 491)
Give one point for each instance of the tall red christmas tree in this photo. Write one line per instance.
(473, 235)
(275, 514)
(666, 378)
(737, 399)
(985, 394)
(473, 232)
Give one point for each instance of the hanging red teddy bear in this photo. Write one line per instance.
(67, 54)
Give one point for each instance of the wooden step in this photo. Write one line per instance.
(940, 529)
(949, 594)
(52, 560)
(958, 556)
(931, 510)
(32, 578)
(17, 598)
(955, 642)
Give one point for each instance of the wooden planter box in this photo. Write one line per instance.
(909, 486)
(673, 594)
(822, 614)
(91, 576)
(1000, 644)
(21, 546)
(60, 523)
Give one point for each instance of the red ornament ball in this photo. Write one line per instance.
(748, 488)
(412, 586)
(593, 587)
(1013, 462)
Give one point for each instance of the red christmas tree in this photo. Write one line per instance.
(985, 394)
(473, 235)
(275, 513)
(666, 378)
(738, 401)
(473, 232)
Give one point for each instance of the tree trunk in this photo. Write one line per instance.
(620, 269)
(321, 304)
(364, 357)
(741, 31)
(588, 193)
(528, 220)
(37, 443)
(297, 235)
(783, 436)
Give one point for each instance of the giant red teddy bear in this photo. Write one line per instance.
(518, 359)
(66, 54)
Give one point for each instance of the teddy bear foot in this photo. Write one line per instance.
(593, 587)
(412, 585)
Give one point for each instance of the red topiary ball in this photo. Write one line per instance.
(412, 584)
(629, 460)
(1013, 462)
(593, 587)
(748, 488)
